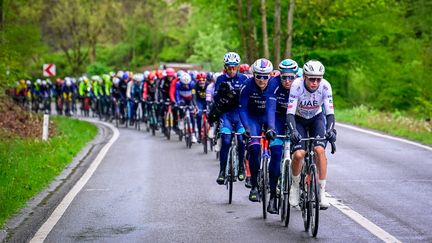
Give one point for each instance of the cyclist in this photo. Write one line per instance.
(116, 96)
(67, 91)
(107, 84)
(85, 88)
(45, 94)
(253, 116)
(200, 98)
(167, 89)
(245, 69)
(59, 95)
(184, 96)
(150, 92)
(304, 114)
(277, 103)
(227, 93)
(135, 95)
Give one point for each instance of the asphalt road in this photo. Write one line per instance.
(148, 189)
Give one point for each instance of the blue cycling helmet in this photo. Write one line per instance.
(288, 66)
(300, 72)
(125, 76)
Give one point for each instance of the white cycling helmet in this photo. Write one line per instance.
(68, 82)
(185, 78)
(116, 81)
(262, 66)
(38, 81)
(138, 77)
(96, 78)
(231, 59)
(313, 68)
(43, 82)
(28, 82)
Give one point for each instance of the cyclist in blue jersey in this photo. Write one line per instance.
(253, 98)
(226, 97)
(277, 103)
(184, 96)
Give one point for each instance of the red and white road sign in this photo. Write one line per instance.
(49, 70)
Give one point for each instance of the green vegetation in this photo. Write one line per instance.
(377, 53)
(28, 166)
(395, 123)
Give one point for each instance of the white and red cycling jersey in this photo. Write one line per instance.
(308, 104)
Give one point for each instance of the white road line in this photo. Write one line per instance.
(46, 228)
(384, 136)
(358, 218)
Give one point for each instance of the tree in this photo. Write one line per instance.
(252, 37)
(288, 39)
(277, 32)
(264, 29)
(241, 24)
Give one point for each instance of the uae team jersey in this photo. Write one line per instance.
(306, 104)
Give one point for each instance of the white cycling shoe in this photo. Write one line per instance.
(218, 145)
(211, 132)
(194, 139)
(294, 195)
(324, 202)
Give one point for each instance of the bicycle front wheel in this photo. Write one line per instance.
(204, 136)
(286, 207)
(313, 198)
(264, 183)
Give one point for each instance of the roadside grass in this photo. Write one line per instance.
(395, 123)
(27, 166)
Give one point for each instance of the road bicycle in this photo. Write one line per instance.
(309, 188)
(151, 119)
(138, 112)
(169, 120)
(205, 126)
(232, 166)
(186, 125)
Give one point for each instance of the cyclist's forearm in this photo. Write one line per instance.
(330, 122)
(291, 122)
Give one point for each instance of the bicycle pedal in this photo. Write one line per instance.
(323, 208)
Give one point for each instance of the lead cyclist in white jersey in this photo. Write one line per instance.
(304, 113)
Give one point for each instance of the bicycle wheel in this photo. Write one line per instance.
(204, 135)
(231, 174)
(313, 198)
(286, 207)
(264, 182)
(304, 199)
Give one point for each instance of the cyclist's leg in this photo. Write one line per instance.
(240, 147)
(299, 151)
(225, 127)
(254, 150)
(199, 118)
(276, 148)
(318, 129)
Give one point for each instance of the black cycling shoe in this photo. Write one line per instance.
(248, 182)
(241, 173)
(254, 195)
(272, 206)
(221, 178)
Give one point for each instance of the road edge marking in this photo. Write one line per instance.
(384, 135)
(49, 224)
(362, 221)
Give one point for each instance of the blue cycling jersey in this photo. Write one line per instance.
(235, 83)
(184, 91)
(277, 102)
(253, 101)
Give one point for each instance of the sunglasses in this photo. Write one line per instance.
(259, 76)
(290, 78)
(313, 80)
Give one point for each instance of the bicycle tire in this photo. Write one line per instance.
(231, 174)
(305, 207)
(286, 190)
(264, 186)
(313, 199)
(204, 136)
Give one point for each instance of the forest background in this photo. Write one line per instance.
(377, 53)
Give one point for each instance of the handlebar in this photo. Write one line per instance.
(333, 145)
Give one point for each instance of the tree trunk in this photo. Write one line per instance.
(277, 32)
(264, 29)
(288, 42)
(242, 32)
(1, 22)
(252, 33)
